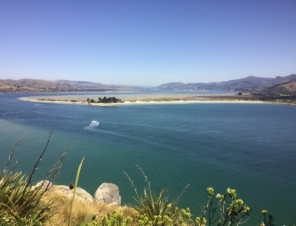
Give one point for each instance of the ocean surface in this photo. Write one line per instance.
(249, 147)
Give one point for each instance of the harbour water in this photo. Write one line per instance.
(249, 147)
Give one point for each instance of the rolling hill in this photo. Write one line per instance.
(249, 84)
(285, 88)
(35, 85)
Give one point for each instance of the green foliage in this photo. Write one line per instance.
(156, 209)
(88, 219)
(108, 100)
(224, 212)
(111, 219)
(20, 203)
(115, 219)
(8, 220)
(268, 221)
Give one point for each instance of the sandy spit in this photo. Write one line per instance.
(127, 102)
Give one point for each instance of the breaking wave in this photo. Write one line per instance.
(92, 125)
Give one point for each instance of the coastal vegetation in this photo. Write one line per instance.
(104, 100)
(288, 99)
(108, 100)
(22, 203)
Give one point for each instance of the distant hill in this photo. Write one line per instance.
(279, 79)
(257, 85)
(248, 84)
(36, 85)
(285, 88)
(80, 84)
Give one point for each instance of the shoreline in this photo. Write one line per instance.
(225, 100)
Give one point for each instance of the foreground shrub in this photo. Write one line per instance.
(221, 210)
(153, 209)
(21, 203)
(225, 211)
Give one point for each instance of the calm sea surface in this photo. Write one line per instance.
(250, 147)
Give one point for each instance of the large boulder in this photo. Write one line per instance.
(66, 192)
(108, 193)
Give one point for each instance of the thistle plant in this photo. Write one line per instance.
(234, 213)
(269, 221)
(237, 212)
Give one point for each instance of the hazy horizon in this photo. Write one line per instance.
(147, 43)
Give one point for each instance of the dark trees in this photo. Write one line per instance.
(108, 100)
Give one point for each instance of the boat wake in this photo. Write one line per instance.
(92, 125)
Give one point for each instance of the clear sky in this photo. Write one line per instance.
(147, 42)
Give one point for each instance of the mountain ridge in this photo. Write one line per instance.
(247, 84)
(257, 85)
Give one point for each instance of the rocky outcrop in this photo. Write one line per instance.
(108, 193)
(80, 195)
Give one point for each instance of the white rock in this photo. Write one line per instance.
(108, 193)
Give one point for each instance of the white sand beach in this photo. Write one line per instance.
(144, 99)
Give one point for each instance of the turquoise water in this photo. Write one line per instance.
(250, 147)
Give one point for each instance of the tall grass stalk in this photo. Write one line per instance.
(37, 162)
(157, 208)
(10, 157)
(75, 186)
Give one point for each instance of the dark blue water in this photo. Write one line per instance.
(250, 147)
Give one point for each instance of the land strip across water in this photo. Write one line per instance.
(126, 99)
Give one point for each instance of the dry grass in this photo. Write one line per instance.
(81, 209)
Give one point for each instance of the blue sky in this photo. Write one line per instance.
(147, 43)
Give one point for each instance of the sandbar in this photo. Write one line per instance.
(131, 99)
